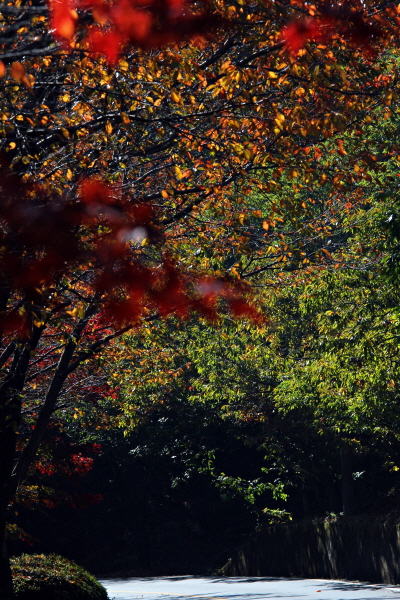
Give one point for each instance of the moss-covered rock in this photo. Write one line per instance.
(52, 577)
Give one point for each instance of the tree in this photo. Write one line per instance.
(115, 167)
(326, 356)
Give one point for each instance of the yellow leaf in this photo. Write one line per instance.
(125, 119)
(108, 128)
(65, 132)
(178, 172)
(79, 311)
(176, 97)
(164, 194)
(69, 174)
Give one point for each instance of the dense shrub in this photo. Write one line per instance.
(52, 577)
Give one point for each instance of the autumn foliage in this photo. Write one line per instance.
(133, 134)
(143, 24)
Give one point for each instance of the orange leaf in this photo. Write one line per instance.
(327, 252)
(317, 153)
(63, 19)
(341, 150)
(17, 71)
(19, 74)
(100, 12)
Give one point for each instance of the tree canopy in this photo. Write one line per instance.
(155, 160)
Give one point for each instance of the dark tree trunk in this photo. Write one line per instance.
(6, 586)
(347, 480)
(10, 416)
(9, 419)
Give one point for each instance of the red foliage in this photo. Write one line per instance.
(61, 458)
(154, 23)
(348, 20)
(240, 308)
(46, 236)
(45, 469)
(105, 42)
(298, 33)
(144, 24)
(82, 464)
(93, 191)
(48, 503)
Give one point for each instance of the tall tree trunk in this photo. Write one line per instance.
(347, 480)
(9, 419)
(7, 449)
(6, 585)
(10, 416)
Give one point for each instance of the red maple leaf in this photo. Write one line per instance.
(298, 33)
(63, 19)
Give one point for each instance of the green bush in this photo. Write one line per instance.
(52, 577)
